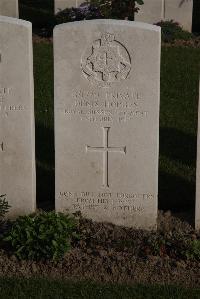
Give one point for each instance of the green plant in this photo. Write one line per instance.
(95, 9)
(154, 244)
(172, 31)
(4, 206)
(193, 250)
(119, 9)
(41, 236)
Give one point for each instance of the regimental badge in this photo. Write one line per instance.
(106, 62)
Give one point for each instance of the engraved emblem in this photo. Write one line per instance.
(106, 62)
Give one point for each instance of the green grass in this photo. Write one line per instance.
(43, 289)
(178, 125)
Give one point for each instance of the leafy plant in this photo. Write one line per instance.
(42, 236)
(4, 206)
(193, 250)
(172, 31)
(154, 244)
(119, 9)
(95, 9)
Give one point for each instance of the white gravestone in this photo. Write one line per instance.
(60, 5)
(180, 11)
(17, 151)
(153, 11)
(9, 8)
(107, 91)
(197, 209)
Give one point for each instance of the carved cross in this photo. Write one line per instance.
(105, 149)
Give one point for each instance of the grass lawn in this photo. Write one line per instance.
(178, 125)
(43, 289)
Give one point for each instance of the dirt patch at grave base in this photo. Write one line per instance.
(108, 253)
(38, 39)
(191, 43)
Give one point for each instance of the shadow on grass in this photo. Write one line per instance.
(175, 193)
(40, 14)
(177, 190)
(36, 288)
(45, 165)
(178, 145)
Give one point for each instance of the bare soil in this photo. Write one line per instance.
(109, 253)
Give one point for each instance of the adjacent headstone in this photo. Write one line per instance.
(197, 209)
(17, 142)
(9, 8)
(180, 11)
(107, 90)
(152, 11)
(60, 5)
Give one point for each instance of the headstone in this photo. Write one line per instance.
(180, 11)
(17, 142)
(197, 209)
(153, 11)
(60, 5)
(107, 78)
(9, 8)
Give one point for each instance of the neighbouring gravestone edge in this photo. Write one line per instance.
(197, 204)
(15, 21)
(25, 29)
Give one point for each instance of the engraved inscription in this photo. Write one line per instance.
(105, 149)
(1, 147)
(105, 106)
(4, 92)
(114, 201)
(106, 62)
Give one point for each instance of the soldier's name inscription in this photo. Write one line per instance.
(108, 106)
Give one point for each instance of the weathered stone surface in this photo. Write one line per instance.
(107, 90)
(17, 142)
(197, 209)
(60, 5)
(154, 11)
(9, 8)
(180, 11)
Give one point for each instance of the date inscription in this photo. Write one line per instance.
(116, 201)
